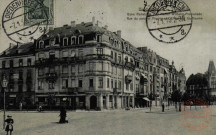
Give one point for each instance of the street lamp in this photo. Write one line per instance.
(4, 85)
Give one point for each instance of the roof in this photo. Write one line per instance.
(17, 50)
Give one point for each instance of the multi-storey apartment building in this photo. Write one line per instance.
(17, 66)
(87, 66)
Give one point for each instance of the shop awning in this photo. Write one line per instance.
(145, 98)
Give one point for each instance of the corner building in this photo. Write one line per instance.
(85, 65)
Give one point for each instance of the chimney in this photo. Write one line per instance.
(105, 27)
(119, 33)
(93, 21)
(99, 24)
(73, 24)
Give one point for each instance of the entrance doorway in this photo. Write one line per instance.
(93, 102)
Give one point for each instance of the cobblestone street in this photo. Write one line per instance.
(111, 122)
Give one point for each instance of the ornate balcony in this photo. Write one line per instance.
(47, 62)
(73, 90)
(130, 65)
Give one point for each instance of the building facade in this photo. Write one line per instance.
(17, 66)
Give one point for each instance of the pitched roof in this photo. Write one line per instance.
(17, 50)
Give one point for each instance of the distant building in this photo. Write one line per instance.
(211, 76)
(182, 81)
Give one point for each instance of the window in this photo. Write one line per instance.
(119, 58)
(11, 63)
(150, 68)
(115, 57)
(29, 62)
(20, 75)
(131, 86)
(126, 59)
(20, 88)
(100, 66)
(65, 41)
(80, 68)
(80, 83)
(115, 83)
(73, 40)
(111, 83)
(127, 86)
(99, 51)
(20, 62)
(98, 38)
(111, 54)
(73, 69)
(52, 55)
(65, 83)
(108, 82)
(91, 66)
(65, 69)
(73, 83)
(40, 84)
(90, 82)
(80, 39)
(3, 64)
(52, 42)
(51, 85)
(119, 71)
(100, 82)
(41, 44)
(119, 84)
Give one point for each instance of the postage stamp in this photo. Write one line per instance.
(169, 21)
(35, 13)
(14, 25)
(197, 119)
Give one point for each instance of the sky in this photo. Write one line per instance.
(192, 53)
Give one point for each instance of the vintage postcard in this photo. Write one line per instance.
(108, 67)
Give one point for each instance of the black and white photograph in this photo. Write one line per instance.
(108, 67)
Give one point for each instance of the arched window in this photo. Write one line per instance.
(65, 41)
(73, 40)
(81, 39)
(41, 44)
(52, 42)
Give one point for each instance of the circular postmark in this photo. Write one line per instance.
(15, 23)
(169, 21)
(196, 114)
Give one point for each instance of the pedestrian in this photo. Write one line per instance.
(20, 106)
(163, 107)
(9, 126)
(63, 115)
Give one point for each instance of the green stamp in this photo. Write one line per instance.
(37, 11)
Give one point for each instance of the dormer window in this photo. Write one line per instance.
(41, 44)
(81, 39)
(20, 62)
(111, 41)
(52, 42)
(73, 40)
(65, 41)
(98, 38)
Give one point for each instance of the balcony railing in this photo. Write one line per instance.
(116, 91)
(51, 76)
(130, 65)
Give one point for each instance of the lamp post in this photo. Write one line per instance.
(4, 85)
